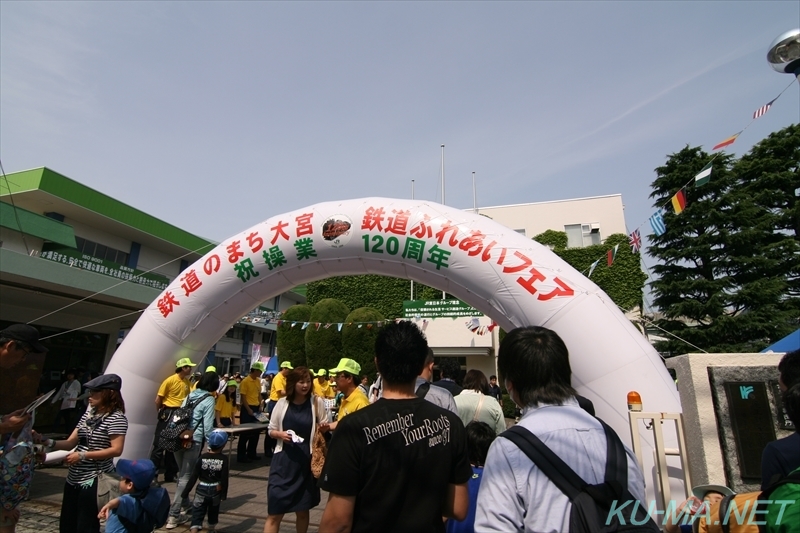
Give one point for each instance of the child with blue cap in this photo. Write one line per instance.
(140, 506)
(211, 475)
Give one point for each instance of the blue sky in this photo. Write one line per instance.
(216, 115)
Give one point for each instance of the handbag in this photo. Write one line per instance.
(107, 488)
(319, 449)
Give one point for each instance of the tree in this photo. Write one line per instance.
(720, 282)
(324, 342)
(291, 341)
(358, 343)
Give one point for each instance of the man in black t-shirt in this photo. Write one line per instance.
(401, 463)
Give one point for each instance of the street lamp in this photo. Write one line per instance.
(784, 53)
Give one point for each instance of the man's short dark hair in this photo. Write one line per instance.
(450, 368)
(400, 351)
(789, 367)
(492, 377)
(791, 401)
(428, 357)
(480, 436)
(536, 362)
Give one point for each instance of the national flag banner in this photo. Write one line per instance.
(704, 176)
(761, 111)
(616, 249)
(657, 223)
(591, 268)
(635, 239)
(305, 325)
(609, 258)
(727, 142)
(679, 202)
(339, 325)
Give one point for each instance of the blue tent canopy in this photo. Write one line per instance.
(789, 343)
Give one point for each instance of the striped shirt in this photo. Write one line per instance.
(94, 433)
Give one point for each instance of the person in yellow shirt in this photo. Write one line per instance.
(250, 393)
(347, 380)
(276, 391)
(226, 405)
(322, 387)
(170, 396)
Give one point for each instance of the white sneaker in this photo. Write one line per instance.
(173, 522)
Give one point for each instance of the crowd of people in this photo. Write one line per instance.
(402, 453)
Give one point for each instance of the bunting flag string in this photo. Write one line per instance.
(678, 200)
(635, 239)
(704, 176)
(474, 326)
(592, 267)
(727, 142)
(761, 111)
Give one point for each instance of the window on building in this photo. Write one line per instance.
(581, 235)
(101, 251)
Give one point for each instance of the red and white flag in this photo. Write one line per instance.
(761, 111)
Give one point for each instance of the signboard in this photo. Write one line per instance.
(783, 416)
(751, 422)
(438, 309)
(74, 258)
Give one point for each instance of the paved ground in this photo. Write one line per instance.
(244, 510)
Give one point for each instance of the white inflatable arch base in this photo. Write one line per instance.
(507, 276)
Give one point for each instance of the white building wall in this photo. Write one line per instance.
(150, 258)
(536, 218)
(453, 332)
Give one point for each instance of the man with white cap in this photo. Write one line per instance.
(170, 396)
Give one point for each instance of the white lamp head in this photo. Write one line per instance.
(784, 52)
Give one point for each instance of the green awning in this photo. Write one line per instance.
(36, 225)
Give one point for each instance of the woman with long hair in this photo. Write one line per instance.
(292, 488)
(202, 398)
(99, 437)
(476, 405)
(226, 405)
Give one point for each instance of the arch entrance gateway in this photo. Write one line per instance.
(505, 275)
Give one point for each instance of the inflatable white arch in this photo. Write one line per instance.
(507, 276)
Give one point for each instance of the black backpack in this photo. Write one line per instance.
(178, 431)
(601, 508)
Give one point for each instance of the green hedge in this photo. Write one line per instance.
(291, 341)
(623, 281)
(324, 345)
(384, 294)
(509, 407)
(359, 343)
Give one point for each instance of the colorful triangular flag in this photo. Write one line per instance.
(761, 111)
(704, 176)
(591, 268)
(612, 255)
(635, 240)
(679, 202)
(305, 325)
(657, 223)
(340, 324)
(730, 140)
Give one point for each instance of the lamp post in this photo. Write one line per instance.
(784, 53)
